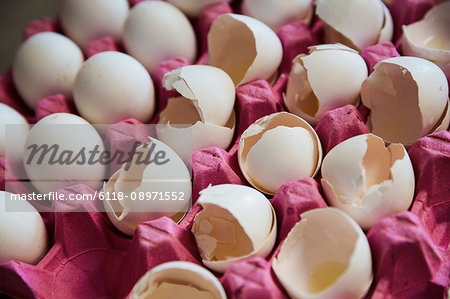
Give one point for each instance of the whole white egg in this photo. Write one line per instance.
(14, 139)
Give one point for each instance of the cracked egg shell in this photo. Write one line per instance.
(139, 177)
(45, 64)
(193, 8)
(355, 23)
(23, 236)
(17, 135)
(169, 280)
(236, 222)
(408, 98)
(86, 20)
(156, 31)
(112, 86)
(244, 47)
(329, 77)
(429, 38)
(367, 180)
(278, 148)
(325, 255)
(277, 13)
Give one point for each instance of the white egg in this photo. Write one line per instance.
(244, 47)
(275, 13)
(113, 86)
(203, 116)
(87, 20)
(355, 23)
(193, 8)
(57, 153)
(45, 64)
(171, 279)
(156, 31)
(23, 236)
(408, 98)
(150, 189)
(429, 38)
(236, 222)
(278, 148)
(329, 77)
(368, 180)
(325, 255)
(13, 133)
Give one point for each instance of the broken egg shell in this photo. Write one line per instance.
(17, 135)
(85, 20)
(23, 236)
(361, 23)
(185, 140)
(367, 180)
(244, 47)
(156, 31)
(210, 89)
(45, 64)
(277, 13)
(325, 255)
(141, 178)
(189, 279)
(280, 147)
(193, 8)
(329, 77)
(387, 30)
(253, 215)
(407, 97)
(112, 86)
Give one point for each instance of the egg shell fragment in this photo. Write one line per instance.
(14, 140)
(236, 222)
(325, 238)
(244, 47)
(193, 8)
(45, 64)
(408, 98)
(136, 179)
(278, 148)
(113, 86)
(277, 13)
(368, 180)
(156, 31)
(86, 20)
(330, 76)
(23, 236)
(174, 278)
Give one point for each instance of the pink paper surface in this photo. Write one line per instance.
(41, 25)
(106, 43)
(338, 125)
(376, 53)
(251, 278)
(406, 262)
(54, 104)
(10, 97)
(10, 173)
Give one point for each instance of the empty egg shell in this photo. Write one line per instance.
(170, 280)
(236, 222)
(45, 64)
(275, 13)
(86, 20)
(156, 31)
(203, 116)
(355, 23)
(193, 8)
(145, 186)
(408, 98)
(329, 77)
(244, 47)
(23, 236)
(429, 38)
(278, 148)
(16, 134)
(325, 255)
(113, 86)
(368, 180)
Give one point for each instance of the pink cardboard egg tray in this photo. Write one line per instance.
(89, 258)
